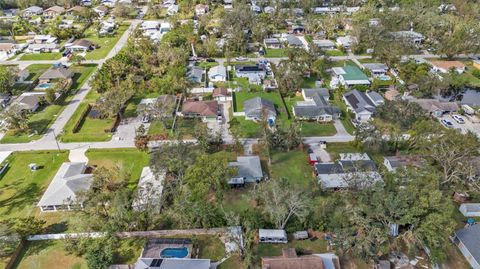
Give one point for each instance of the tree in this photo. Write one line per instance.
(281, 201)
(77, 58)
(16, 118)
(50, 96)
(8, 76)
(100, 253)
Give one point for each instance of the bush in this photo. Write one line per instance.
(476, 73)
(80, 120)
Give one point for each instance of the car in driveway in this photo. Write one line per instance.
(241, 59)
(447, 123)
(458, 119)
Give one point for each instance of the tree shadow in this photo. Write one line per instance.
(23, 197)
(59, 227)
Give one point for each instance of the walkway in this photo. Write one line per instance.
(78, 155)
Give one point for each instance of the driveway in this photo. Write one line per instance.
(464, 128)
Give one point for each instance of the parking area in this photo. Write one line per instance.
(468, 124)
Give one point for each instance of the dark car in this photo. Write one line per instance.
(66, 53)
(210, 60)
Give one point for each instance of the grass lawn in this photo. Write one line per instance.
(309, 83)
(335, 53)
(22, 188)
(275, 53)
(106, 43)
(250, 129)
(206, 65)
(210, 247)
(36, 70)
(238, 200)
(81, 74)
(334, 149)
(232, 262)
(184, 128)
(132, 160)
(317, 129)
(41, 56)
(294, 167)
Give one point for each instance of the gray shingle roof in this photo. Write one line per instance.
(248, 167)
(67, 182)
(56, 72)
(254, 108)
(359, 101)
(470, 237)
(319, 107)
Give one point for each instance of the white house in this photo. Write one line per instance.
(217, 73)
(445, 66)
(62, 192)
(470, 209)
(32, 11)
(346, 41)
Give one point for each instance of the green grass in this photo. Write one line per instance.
(21, 188)
(275, 53)
(184, 128)
(81, 74)
(317, 129)
(238, 200)
(242, 96)
(41, 56)
(294, 167)
(36, 70)
(334, 149)
(132, 160)
(106, 43)
(335, 53)
(206, 65)
(210, 247)
(249, 128)
(232, 262)
(309, 83)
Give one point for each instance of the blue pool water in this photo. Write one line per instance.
(44, 86)
(174, 253)
(384, 78)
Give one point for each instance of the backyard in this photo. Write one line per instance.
(293, 166)
(105, 43)
(40, 121)
(21, 187)
(275, 53)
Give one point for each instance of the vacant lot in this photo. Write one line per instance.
(21, 188)
(294, 167)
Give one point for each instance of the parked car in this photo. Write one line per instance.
(241, 58)
(146, 119)
(66, 53)
(210, 60)
(447, 123)
(458, 119)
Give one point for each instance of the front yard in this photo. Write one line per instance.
(316, 129)
(47, 56)
(20, 187)
(106, 43)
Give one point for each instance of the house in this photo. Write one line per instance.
(293, 41)
(348, 76)
(445, 66)
(165, 103)
(258, 108)
(195, 74)
(29, 101)
(82, 45)
(476, 64)
(352, 169)
(39, 48)
(272, 236)
(324, 44)
(65, 24)
(32, 11)
(391, 95)
(470, 209)
(252, 72)
(76, 10)
(272, 43)
(85, 3)
(172, 10)
(376, 69)
(394, 162)
(249, 170)
(410, 36)
(53, 12)
(44, 39)
(101, 11)
(269, 10)
(316, 106)
(206, 110)
(468, 241)
(107, 27)
(62, 192)
(55, 72)
(362, 104)
(217, 73)
(346, 41)
(221, 94)
(290, 259)
(201, 9)
(149, 189)
(9, 13)
(155, 256)
(8, 48)
(436, 107)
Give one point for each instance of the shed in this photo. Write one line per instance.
(470, 209)
(272, 236)
(300, 235)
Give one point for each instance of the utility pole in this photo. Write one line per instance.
(56, 141)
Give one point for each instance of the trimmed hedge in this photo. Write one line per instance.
(80, 120)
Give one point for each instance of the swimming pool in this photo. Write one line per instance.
(384, 77)
(174, 252)
(44, 85)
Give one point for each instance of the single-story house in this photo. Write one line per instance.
(44, 39)
(57, 71)
(293, 41)
(257, 108)
(101, 10)
(29, 101)
(324, 44)
(272, 236)
(53, 12)
(436, 107)
(470, 209)
(290, 259)
(346, 41)
(249, 170)
(195, 74)
(206, 110)
(149, 189)
(217, 73)
(62, 192)
(32, 11)
(316, 106)
(39, 48)
(391, 94)
(362, 104)
(150, 25)
(83, 45)
(394, 162)
(221, 94)
(352, 169)
(272, 43)
(254, 73)
(376, 69)
(75, 10)
(468, 241)
(8, 48)
(410, 36)
(446, 66)
(172, 10)
(201, 9)
(348, 76)
(166, 103)
(107, 27)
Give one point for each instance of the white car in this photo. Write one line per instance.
(458, 119)
(241, 59)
